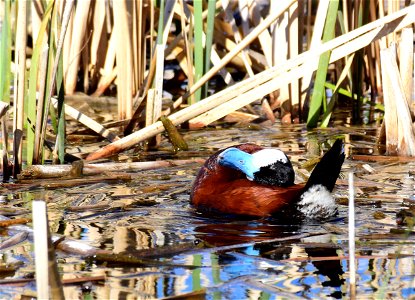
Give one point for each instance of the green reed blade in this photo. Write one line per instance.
(316, 102)
(33, 83)
(160, 29)
(198, 45)
(5, 54)
(209, 38)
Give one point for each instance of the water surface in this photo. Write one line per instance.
(217, 257)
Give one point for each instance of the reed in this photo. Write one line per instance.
(48, 282)
(318, 98)
(198, 45)
(20, 86)
(5, 53)
(38, 66)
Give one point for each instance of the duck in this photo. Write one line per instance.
(251, 180)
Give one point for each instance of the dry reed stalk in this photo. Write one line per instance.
(244, 7)
(257, 92)
(134, 46)
(36, 13)
(188, 68)
(152, 31)
(182, 57)
(297, 69)
(240, 117)
(179, 37)
(98, 38)
(104, 82)
(406, 64)
(66, 51)
(124, 59)
(156, 108)
(108, 72)
(85, 66)
(400, 136)
(143, 15)
(293, 52)
(228, 57)
(229, 19)
(227, 43)
(141, 41)
(40, 104)
(383, 41)
(340, 46)
(80, 19)
(280, 54)
(215, 59)
(264, 38)
(87, 121)
(157, 103)
(20, 63)
(151, 94)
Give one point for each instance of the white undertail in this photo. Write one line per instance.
(317, 203)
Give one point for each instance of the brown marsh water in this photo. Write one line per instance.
(216, 257)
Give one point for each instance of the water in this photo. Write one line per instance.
(307, 260)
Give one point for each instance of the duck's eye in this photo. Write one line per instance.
(241, 162)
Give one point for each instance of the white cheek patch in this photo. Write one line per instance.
(266, 157)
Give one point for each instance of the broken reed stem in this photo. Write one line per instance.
(87, 121)
(45, 260)
(352, 247)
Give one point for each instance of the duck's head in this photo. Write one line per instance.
(266, 166)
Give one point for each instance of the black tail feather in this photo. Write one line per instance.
(328, 168)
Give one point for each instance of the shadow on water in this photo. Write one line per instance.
(216, 257)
